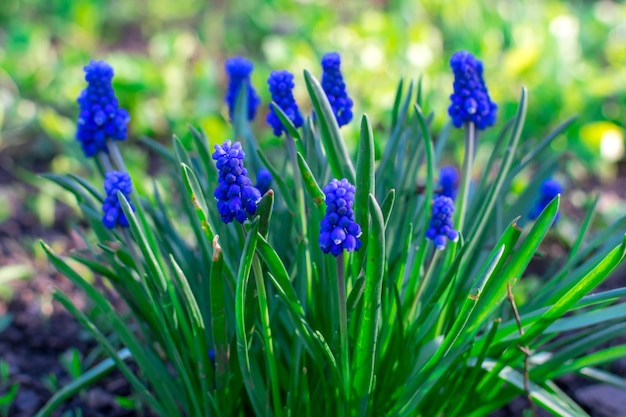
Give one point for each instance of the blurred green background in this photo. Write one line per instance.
(168, 57)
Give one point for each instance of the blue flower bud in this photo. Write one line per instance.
(338, 229)
(281, 88)
(470, 101)
(115, 181)
(335, 88)
(441, 226)
(235, 195)
(239, 70)
(549, 190)
(448, 180)
(263, 180)
(100, 116)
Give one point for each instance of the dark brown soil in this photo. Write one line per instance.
(41, 332)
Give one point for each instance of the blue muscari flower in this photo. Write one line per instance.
(115, 181)
(335, 88)
(281, 88)
(212, 356)
(339, 231)
(470, 101)
(441, 226)
(239, 70)
(549, 190)
(235, 194)
(100, 116)
(448, 180)
(263, 180)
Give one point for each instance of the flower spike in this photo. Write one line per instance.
(115, 181)
(470, 101)
(441, 226)
(339, 231)
(239, 70)
(100, 117)
(235, 195)
(335, 88)
(281, 87)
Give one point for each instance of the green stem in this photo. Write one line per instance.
(468, 161)
(105, 162)
(343, 325)
(304, 283)
(423, 283)
(116, 156)
(267, 336)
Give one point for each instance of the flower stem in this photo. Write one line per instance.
(423, 283)
(343, 325)
(116, 156)
(468, 162)
(304, 284)
(104, 163)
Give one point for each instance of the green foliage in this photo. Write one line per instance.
(8, 392)
(414, 330)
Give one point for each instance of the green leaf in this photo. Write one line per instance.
(159, 149)
(264, 211)
(311, 185)
(364, 183)
(551, 402)
(85, 380)
(336, 152)
(288, 124)
(518, 262)
(285, 191)
(151, 365)
(156, 278)
(387, 205)
(594, 277)
(256, 394)
(218, 317)
(369, 327)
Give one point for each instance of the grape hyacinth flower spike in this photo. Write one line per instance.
(281, 88)
(335, 88)
(338, 230)
(115, 181)
(239, 70)
(441, 226)
(470, 101)
(263, 180)
(100, 116)
(549, 190)
(235, 195)
(448, 180)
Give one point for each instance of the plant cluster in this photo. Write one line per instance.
(350, 286)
